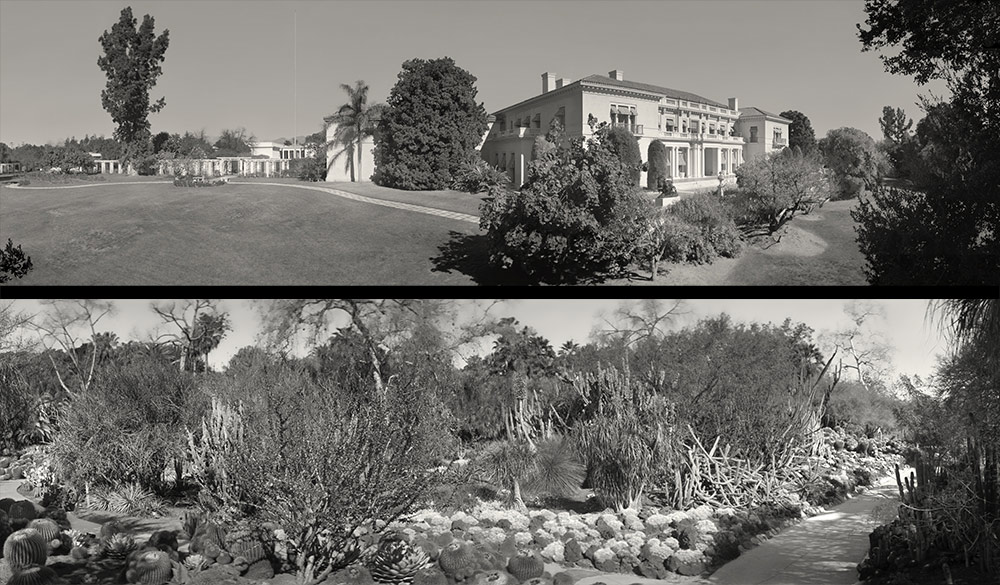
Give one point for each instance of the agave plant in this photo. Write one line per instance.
(397, 562)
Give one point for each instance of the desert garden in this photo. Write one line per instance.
(375, 458)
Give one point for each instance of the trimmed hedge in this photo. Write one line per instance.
(622, 142)
(657, 157)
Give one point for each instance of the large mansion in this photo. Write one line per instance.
(703, 137)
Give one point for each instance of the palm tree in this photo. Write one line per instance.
(356, 121)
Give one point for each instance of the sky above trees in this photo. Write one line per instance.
(916, 342)
(230, 64)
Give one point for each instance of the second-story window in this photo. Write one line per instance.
(536, 122)
(623, 116)
(753, 134)
(777, 135)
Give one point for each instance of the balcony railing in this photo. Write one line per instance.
(779, 142)
(633, 128)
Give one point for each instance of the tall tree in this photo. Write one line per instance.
(235, 142)
(854, 159)
(800, 131)
(131, 61)
(943, 231)
(200, 327)
(356, 121)
(895, 125)
(431, 127)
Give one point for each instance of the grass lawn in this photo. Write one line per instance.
(236, 234)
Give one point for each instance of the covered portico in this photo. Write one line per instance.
(697, 159)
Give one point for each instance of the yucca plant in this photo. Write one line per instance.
(129, 500)
(476, 176)
(549, 467)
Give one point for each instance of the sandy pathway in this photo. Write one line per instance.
(824, 549)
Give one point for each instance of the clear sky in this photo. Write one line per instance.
(917, 342)
(230, 63)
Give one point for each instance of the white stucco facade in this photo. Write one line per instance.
(703, 138)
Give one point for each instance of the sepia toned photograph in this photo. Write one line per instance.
(499, 442)
(482, 142)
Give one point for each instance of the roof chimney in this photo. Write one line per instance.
(734, 104)
(562, 82)
(548, 82)
(617, 74)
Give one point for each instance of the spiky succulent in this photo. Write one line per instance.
(339, 551)
(118, 547)
(195, 562)
(397, 562)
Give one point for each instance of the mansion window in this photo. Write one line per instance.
(670, 125)
(536, 122)
(694, 126)
(623, 116)
(753, 134)
(561, 116)
(777, 136)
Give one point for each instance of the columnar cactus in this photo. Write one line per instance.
(149, 567)
(34, 576)
(525, 567)
(25, 548)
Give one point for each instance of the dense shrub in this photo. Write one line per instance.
(14, 263)
(312, 168)
(657, 158)
(189, 181)
(577, 215)
(856, 162)
(853, 406)
(773, 189)
(17, 402)
(431, 126)
(127, 427)
(284, 446)
(709, 231)
(623, 143)
(476, 176)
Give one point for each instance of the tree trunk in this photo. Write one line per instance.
(518, 501)
(652, 268)
(360, 141)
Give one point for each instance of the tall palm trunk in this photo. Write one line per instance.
(360, 139)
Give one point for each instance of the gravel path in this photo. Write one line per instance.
(822, 550)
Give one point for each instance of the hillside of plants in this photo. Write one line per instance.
(389, 452)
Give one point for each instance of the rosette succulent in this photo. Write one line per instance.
(397, 562)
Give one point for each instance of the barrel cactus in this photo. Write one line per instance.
(430, 576)
(25, 548)
(46, 527)
(458, 560)
(352, 575)
(494, 578)
(109, 529)
(208, 533)
(525, 567)
(150, 566)
(34, 576)
(22, 510)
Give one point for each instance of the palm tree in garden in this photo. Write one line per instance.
(355, 121)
